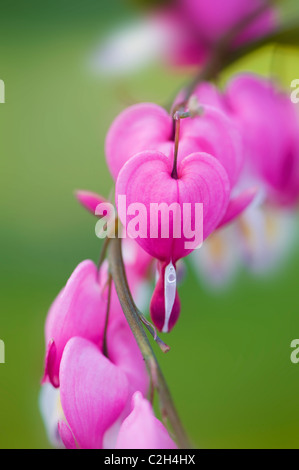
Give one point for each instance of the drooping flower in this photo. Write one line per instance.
(87, 366)
(146, 180)
(95, 393)
(268, 122)
(141, 150)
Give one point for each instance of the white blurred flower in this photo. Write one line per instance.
(132, 47)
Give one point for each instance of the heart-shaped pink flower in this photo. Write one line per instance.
(146, 179)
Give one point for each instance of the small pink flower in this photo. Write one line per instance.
(142, 430)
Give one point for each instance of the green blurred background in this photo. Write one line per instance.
(229, 368)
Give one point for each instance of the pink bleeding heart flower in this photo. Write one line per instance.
(96, 389)
(269, 123)
(147, 126)
(146, 180)
(142, 430)
(80, 360)
(79, 310)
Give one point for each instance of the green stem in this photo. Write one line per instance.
(130, 310)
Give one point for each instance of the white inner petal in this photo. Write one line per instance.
(169, 293)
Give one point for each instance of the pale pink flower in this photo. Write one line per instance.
(142, 430)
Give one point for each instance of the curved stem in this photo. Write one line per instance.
(177, 121)
(130, 310)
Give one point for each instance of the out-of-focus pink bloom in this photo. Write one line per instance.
(142, 430)
(260, 240)
(263, 235)
(269, 123)
(218, 260)
(203, 23)
(266, 237)
(182, 34)
(212, 19)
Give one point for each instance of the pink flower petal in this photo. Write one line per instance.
(157, 305)
(237, 205)
(93, 392)
(66, 435)
(124, 352)
(214, 18)
(216, 134)
(142, 430)
(269, 123)
(89, 200)
(140, 127)
(79, 310)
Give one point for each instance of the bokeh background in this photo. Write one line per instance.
(229, 368)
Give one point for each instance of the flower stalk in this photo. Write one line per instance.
(132, 315)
